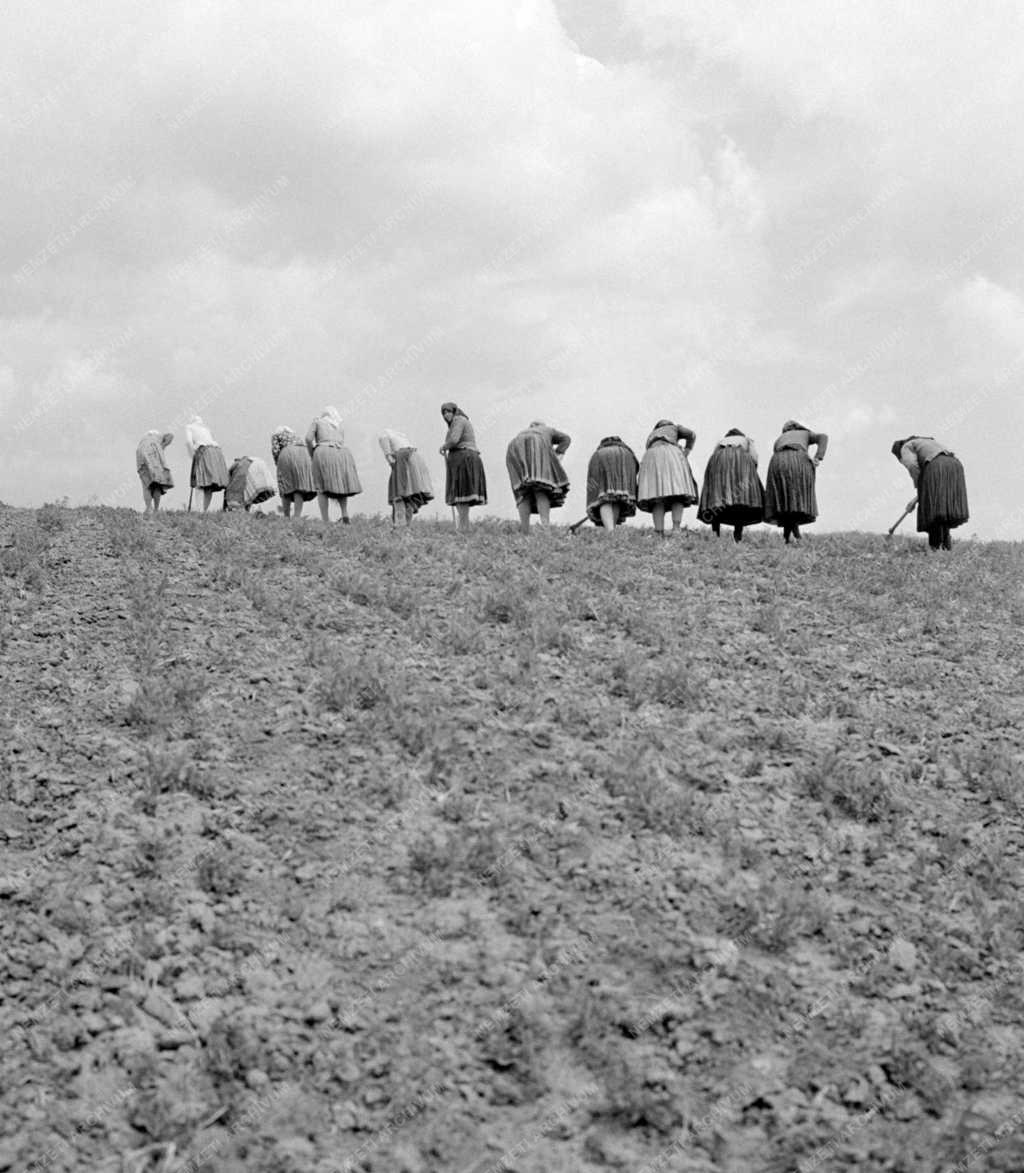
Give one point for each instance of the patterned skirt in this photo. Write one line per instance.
(665, 477)
(410, 480)
(153, 472)
(611, 479)
(295, 472)
(465, 483)
(533, 467)
(334, 471)
(732, 493)
(789, 497)
(209, 468)
(942, 494)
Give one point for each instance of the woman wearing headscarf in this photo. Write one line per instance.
(334, 470)
(789, 498)
(209, 468)
(294, 470)
(535, 470)
(409, 486)
(732, 493)
(152, 468)
(249, 483)
(665, 482)
(611, 483)
(941, 489)
(465, 483)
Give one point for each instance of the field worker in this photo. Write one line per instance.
(465, 484)
(789, 498)
(334, 470)
(209, 468)
(665, 482)
(535, 470)
(294, 470)
(611, 483)
(941, 489)
(152, 468)
(732, 493)
(250, 483)
(409, 486)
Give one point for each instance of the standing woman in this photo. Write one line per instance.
(209, 468)
(611, 483)
(790, 500)
(465, 483)
(732, 493)
(535, 470)
(409, 487)
(665, 481)
(941, 489)
(152, 468)
(334, 470)
(294, 470)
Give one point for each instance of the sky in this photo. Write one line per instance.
(727, 213)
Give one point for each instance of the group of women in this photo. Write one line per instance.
(661, 482)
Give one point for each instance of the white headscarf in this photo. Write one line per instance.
(332, 415)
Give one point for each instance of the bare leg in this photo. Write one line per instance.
(147, 499)
(409, 512)
(677, 515)
(543, 508)
(286, 505)
(157, 494)
(325, 506)
(525, 509)
(297, 503)
(658, 517)
(462, 512)
(207, 498)
(609, 515)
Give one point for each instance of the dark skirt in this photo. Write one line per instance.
(732, 493)
(295, 472)
(533, 467)
(465, 483)
(234, 493)
(611, 479)
(334, 471)
(209, 468)
(942, 494)
(410, 480)
(789, 497)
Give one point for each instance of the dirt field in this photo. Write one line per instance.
(369, 851)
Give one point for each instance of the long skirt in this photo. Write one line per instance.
(732, 493)
(611, 480)
(942, 494)
(334, 471)
(789, 497)
(295, 472)
(410, 480)
(234, 494)
(153, 472)
(665, 477)
(533, 468)
(209, 468)
(465, 483)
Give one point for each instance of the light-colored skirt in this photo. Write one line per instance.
(334, 471)
(295, 472)
(465, 482)
(732, 493)
(410, 480)
(665, 476)
(789, 496)
(611, 479)
(209, 468)
(942, 494)
(152, 470)
(533, 467)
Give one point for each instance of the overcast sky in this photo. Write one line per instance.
(724, 212)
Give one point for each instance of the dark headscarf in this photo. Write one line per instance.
(735, 432)
(664, 424)
(453, 407)
(793, 426)
(897, 447)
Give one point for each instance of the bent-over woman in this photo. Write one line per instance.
(152, 468)
(209, 468)
(665, 482)
(294, 470)
(409, 485)
(732, 493)
(465, 484)
(249, 483)
(611, 483)
(334, 470)
(535, 470)
(938, 477)
(790, 500)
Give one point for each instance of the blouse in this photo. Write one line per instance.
(920, 451)
(672, 434)
(801, 439)
(199, 436)
(392, 442)
(560, 441)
